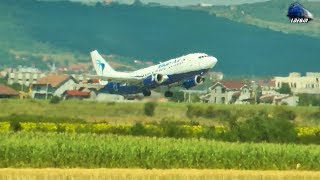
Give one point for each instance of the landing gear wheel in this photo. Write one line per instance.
(168, 94)
(146, 93)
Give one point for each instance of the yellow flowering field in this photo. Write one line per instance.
(191, 130)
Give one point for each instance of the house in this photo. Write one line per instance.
(53, 85)
(228, 92)
(267, 86)
(280, 99)
(80, 77)
(286, 99)
(309, 84)
(75, 94)
(7, 92)
(78, 67)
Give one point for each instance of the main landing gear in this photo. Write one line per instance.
(146, 92)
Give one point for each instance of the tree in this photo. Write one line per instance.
(309, 99)
(284, 89)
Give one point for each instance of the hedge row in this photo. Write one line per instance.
(194, 111)
(252, 130)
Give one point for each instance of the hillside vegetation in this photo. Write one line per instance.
(67, 32)
(271, 15)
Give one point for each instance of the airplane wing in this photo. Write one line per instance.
(106, 73)
(131, 80)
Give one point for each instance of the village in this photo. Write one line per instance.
(74, 82)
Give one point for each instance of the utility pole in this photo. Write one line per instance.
(47, 92)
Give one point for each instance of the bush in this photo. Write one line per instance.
(263, 129)
(315, 115)
(194, 111)
(55, 100)
(149, 108)
(283, 113)
(173, 129)
(15, 126)
(309, 99)
(209, 112)
(138, 129)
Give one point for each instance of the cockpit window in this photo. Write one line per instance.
(200, 57)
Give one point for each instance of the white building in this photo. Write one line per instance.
(25, 76)
(228, 92)
(52, 85)
(309, 84)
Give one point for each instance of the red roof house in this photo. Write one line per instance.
(6, 92)
(75, 94)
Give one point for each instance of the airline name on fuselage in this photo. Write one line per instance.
(161, 65)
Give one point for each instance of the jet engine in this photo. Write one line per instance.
(153, 80)
(189, 83)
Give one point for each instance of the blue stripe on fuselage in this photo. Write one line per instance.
(180, 77)
(119, 88)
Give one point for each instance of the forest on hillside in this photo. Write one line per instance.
(150, 33)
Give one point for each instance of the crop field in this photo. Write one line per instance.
(129, 113)
(142, 174)
(59, 150)
(90, 140)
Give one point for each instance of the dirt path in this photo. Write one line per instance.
(183, 174)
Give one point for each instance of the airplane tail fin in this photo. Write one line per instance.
(100, 65)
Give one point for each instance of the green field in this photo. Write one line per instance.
(59, 150)
(83, 134)
(129, 113)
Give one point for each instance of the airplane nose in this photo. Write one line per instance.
(208, 62)
(213, 61)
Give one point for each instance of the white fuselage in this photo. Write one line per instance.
(183, 64)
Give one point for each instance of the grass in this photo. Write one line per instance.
(129, 113)
(183, 174)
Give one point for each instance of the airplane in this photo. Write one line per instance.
(186, 71)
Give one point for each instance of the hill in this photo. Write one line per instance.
(67, 32)
(270, 14)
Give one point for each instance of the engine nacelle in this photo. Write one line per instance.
(153, 80)
(189, 83)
